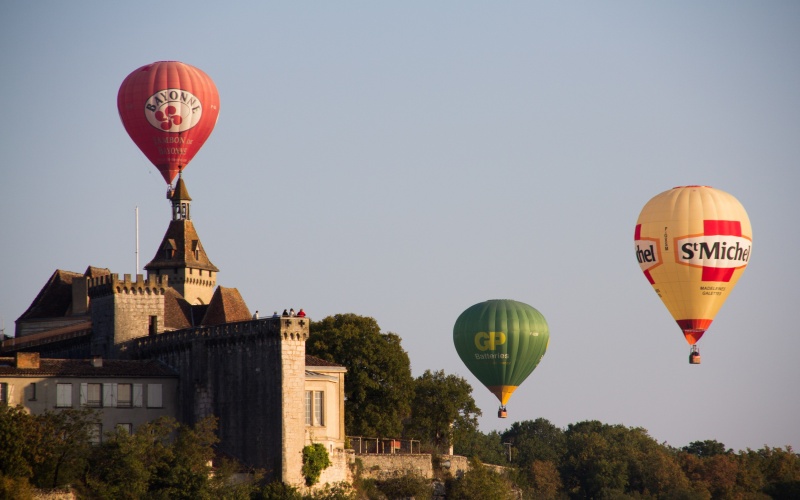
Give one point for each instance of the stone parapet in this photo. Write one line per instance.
(388, 466)
(381, 466)
(110, 284)
(277, 328)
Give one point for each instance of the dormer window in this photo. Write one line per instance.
(169, 249)
(196, 249)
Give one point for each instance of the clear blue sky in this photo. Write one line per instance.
(407, 160)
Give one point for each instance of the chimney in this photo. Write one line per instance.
(80, 296)
(97, 361)
(27, 360)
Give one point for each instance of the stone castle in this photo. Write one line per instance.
(270, 398)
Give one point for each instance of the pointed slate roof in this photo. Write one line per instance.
(183, 239)
(177, 312)
(180, 192)
(226, 306)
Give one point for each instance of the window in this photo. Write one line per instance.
(63, 395)
(309, 406)
(137, 395)
(33, 392)
(124, 395)
(95, 433)
(92, 395)
(109, 395)
(315, 408)
(154, 396)
(126, 428)
(319, 413)
(3, 393)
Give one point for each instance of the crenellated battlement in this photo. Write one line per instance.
(280, 329)
(110, 284)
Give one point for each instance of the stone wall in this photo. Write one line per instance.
(121, 309)
(293, 336)
(389, 466)
(385, 466)
(340, 470)
(250, 375)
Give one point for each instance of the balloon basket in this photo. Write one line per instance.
(502, 413)
(694, 356)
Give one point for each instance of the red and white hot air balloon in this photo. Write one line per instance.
(169, 109)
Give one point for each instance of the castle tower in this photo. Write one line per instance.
(181, 256)
(124, 309)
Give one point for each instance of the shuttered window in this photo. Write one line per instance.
(315, 408)
(124, 395)
(63, 395)
(154, 396)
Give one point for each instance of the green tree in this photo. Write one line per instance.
(15, 488)
(162, 459)
(378, 386)
(408, 486)
(19, 442)
(780, 465)
(613, 460)
(533, 440)
(120, 467)
(545, 481)
(277, 490)
(65, 439)
(127, 466)
(487, 448)
(443, 411)
(707, 448)
(184, 470)
(480, 483)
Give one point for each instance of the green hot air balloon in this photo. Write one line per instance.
(501, 342)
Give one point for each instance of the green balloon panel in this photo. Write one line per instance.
(501, 341)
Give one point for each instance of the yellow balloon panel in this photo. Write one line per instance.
(692, 244)
(503, 392)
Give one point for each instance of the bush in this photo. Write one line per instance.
(410, 486)
(278, 491)
(480, 483)
(315, 460)
(15, 488)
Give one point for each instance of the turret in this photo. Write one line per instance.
(181, 256)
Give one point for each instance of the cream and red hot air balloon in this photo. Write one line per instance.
(169, 109)
(693, 243)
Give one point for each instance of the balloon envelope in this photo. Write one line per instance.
(501, 342)
(169, 109)
(693, 243)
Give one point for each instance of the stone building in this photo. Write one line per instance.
(126, 393)
(253, 374)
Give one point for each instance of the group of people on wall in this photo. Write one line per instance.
(286, 314)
